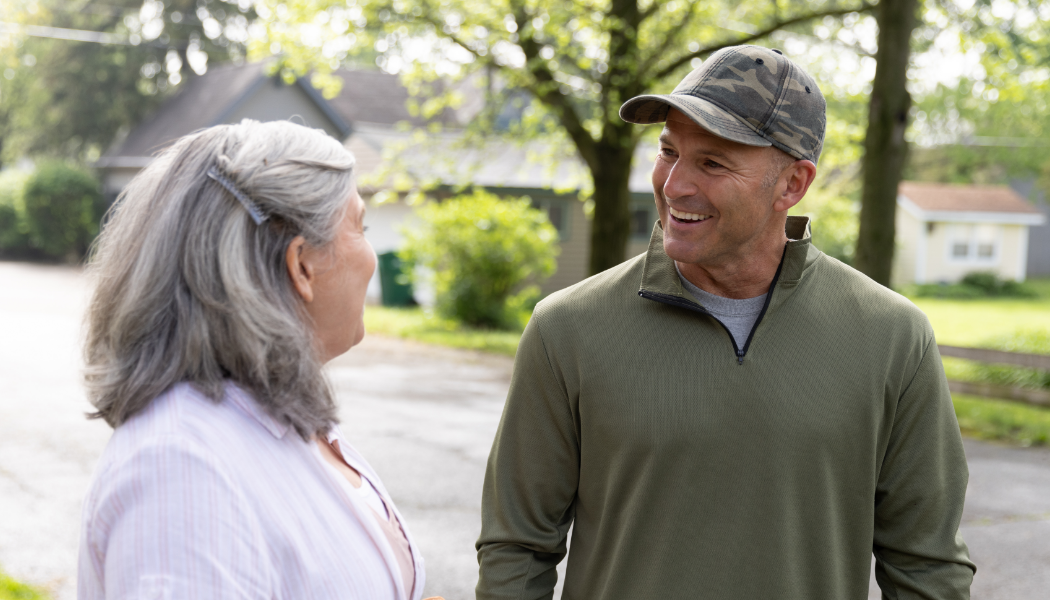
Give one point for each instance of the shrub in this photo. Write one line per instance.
(14, 239)
(977, 285)
(486, 253)
(63, 208)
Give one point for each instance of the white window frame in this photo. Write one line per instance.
(955, 232)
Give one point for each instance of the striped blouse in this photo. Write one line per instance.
(193, 499)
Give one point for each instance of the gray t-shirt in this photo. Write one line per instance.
(738, 316)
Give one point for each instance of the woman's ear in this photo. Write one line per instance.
(300, 270)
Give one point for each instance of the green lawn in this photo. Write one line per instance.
(976, 322)
(13, 590)
(416, 324)
(987, 419)
(1001, 323)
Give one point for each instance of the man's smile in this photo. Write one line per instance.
(686, 217)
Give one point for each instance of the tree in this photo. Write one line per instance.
(77, 73)
(884, 144)
(578, 61)
(992, 125)
(978, 79)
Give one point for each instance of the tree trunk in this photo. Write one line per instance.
(884, 145)
(611, 225)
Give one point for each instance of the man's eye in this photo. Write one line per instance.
(712, 164)
(667, 153)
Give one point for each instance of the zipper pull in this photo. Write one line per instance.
(739, 357)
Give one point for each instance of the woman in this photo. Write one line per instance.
(231, 269)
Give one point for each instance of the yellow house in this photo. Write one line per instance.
(946, 231)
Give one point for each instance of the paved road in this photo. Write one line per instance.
(423, 416)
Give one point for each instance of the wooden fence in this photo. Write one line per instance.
(998, 357)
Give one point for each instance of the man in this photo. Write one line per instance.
(733, 414)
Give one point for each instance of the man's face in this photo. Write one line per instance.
(713, 195)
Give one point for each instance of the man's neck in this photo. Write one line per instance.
(737, 279)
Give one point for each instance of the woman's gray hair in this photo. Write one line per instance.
(190, 289)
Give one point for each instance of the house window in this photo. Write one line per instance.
(556, 210)
(641, 222)
(973, 243)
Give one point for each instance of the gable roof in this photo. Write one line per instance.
(966, 203)
(203, 101)
(372, 97)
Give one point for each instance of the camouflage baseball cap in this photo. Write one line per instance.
(746, 94)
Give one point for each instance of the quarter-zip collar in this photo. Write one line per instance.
(661, 283)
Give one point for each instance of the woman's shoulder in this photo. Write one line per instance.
(184, 419)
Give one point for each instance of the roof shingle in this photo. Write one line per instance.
(940, 197)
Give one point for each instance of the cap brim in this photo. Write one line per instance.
(645, 110)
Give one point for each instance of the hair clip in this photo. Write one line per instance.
(253, 210)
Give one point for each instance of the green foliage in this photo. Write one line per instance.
(833, 209)
(14, 237)
(420, 325)
(486, 254)
(63, 209)
(990, 125)
(977, 285)
(11, 589)
(70, 99)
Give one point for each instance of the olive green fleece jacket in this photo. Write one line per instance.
(688, 473)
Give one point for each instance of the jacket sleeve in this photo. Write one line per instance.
(918, 550)
(531, 480)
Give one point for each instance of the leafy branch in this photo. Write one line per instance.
(773, 28)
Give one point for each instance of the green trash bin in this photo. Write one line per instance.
(395, 288)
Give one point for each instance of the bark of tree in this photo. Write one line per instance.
(884, 146)
(611, 226)
(610, 162)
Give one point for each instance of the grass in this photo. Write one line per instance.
(416, 324)
(13, 590)
(999, 323)
(988, 419)
(976, 322)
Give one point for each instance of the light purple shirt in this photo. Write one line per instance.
(193, 499)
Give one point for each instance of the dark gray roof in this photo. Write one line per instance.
(206, 100)
(371, 97)
(201, 102)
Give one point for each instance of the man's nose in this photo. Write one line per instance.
(680, 183)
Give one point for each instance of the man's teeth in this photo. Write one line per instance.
(684, 216)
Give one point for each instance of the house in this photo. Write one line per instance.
(1038, 235)
(947, 231)
(368, 117)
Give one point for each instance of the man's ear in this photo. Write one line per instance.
(799, 175)
(300, 270)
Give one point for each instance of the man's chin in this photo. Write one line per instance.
(682, 251)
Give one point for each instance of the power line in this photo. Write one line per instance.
(61, 33)
(84, 35)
